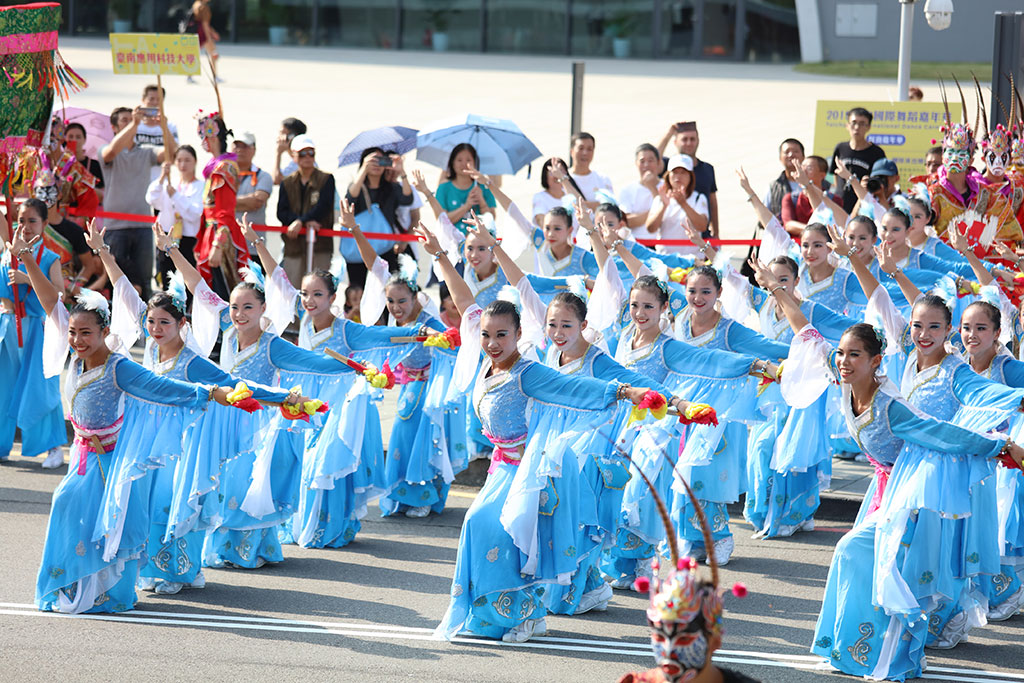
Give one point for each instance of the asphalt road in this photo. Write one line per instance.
(365, 613)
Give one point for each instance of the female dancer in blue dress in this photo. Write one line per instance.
(343, 467)
(709, 375)
(891, 572)
(183, 498)
(941, 385)
(555, 253)
(259, 490)
(520, 532)
(127, 420)
(416, 486)
(40, 420)
(789, 455)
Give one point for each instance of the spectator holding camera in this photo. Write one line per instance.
(858, 155)
(371, 188)
(306, 202)
(126, 170)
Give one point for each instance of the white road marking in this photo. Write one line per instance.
(373, 631)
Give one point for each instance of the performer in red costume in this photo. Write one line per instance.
(221, 251)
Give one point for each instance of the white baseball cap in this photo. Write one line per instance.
(680, 161)
(301, 142)
(247, 138)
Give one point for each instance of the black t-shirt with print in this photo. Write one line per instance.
(859, 161)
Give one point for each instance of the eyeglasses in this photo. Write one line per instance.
(307, 153)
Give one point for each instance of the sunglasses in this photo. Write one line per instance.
(307, 153)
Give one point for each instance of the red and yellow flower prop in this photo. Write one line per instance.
(698, 413)
(242, 398)
(449, 339)
(302, 411)
(652, 402)
(379, 379)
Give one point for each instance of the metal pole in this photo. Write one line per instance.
(906, 40)
(310, 241)
(576, 124)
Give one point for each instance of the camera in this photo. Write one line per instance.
(150, 111)
(385, 162)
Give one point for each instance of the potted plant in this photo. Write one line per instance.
(121, 13)
(621, 27)
(276, 17)
(439, 16)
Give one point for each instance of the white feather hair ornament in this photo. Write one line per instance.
(176, 290)
(511, 294)
(408, 271)
(253, 274)
(94, 301)
(578, 286)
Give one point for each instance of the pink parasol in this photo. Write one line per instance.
(97, 127)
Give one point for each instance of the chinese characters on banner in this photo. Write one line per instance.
(905, 130)
(155, 53)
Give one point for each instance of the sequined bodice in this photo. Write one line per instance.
(871, 429)
(647, 360)
(931, 390)
(582, 366)
(485, 291)
(92, 397)
(829, 292)
(774, 328)
(715, 338)
(253, 363)
(173, 368)
(500, 402)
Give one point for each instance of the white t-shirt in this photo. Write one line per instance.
(146, 134)
(592, 182)
(186, 204)
(673, 219)
(635, 198)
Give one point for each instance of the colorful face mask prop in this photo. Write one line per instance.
(955, 160)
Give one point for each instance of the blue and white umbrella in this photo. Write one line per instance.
(397, 139)
(502, 147)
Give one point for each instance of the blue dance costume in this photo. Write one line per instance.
(41, 420)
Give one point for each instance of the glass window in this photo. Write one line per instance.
(441, 25)
(678, 28)
(719, 29)
(279, 22)
(356, 23)
(529, 26)
(777, 37)
(620, 28)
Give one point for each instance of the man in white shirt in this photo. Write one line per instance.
(635, 199)
(582, 153)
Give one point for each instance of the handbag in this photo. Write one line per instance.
(371, 220)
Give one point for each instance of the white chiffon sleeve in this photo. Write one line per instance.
(281, 296)
(206, 312)
(515, 238)
(450, 240)
(127, 311)
(736, 298)
(373, 301)
(775, 241)
(806, 374)
(534, 313)
(882, 312)
(55, 339)
(468, 359)
(606, 299)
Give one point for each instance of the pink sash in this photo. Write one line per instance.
(505, 450)
(96, 441)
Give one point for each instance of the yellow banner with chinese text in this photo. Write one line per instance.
(155, 53)
(905, 130)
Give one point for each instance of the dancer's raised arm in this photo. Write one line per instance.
(462, 295)
(47, 292)
(188, 272)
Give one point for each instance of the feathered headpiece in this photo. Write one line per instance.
(578, 286)
(684, 612)
(408, 272)
(177, 292)
(956, 136)
(511, 294)
(94, 301)
(253, 274)
(921, 191)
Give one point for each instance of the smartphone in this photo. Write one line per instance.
(385, 161)
(150, 111)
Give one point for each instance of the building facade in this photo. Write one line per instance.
(739, 30)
